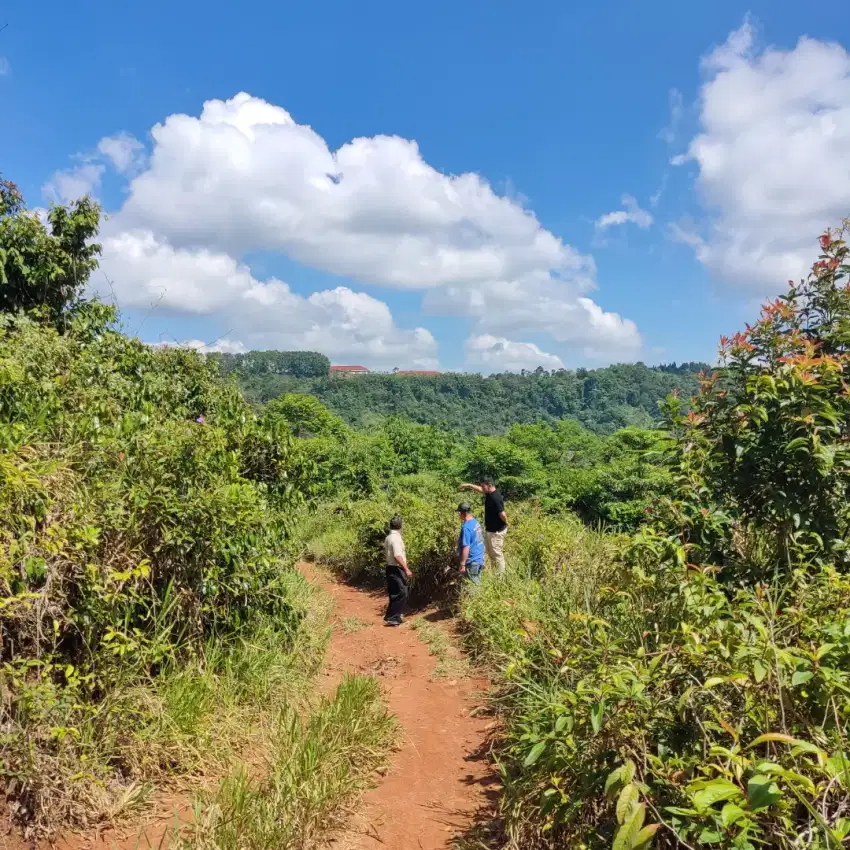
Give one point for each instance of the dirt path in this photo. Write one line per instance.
(440, 777)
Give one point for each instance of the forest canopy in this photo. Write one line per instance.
(603, 400)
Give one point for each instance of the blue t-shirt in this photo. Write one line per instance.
(470, 535)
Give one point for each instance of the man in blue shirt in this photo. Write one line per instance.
(470, 544)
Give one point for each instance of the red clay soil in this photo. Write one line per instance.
(440, 778)
(437, 781)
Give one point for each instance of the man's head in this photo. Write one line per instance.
(488, 485)
(464, 510)
(395, 523)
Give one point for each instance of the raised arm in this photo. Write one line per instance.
(476, 487)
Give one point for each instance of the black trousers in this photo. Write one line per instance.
(397, 590)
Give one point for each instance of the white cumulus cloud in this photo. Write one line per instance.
(490, 354)
(143, 271)
(555, 307)
(244, 176)
(632, 214)
(71, 184)
(773, 156)
(124, 151)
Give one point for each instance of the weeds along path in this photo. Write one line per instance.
(440, 778)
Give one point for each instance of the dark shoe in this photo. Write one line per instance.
(392, 622)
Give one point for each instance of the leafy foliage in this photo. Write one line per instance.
(766, 443)
(694, 691)
(41, 267)
(350, 536)
(265, 364)
(603, 400)
(142, 510)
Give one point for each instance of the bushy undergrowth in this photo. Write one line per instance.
(349, 536)
(142, 509)
(680, 680)
(610, 481)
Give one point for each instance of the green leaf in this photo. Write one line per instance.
(709, 836)
(762, 792)
(823, 650)
(596, 716)
(534, 753)
(808, 747)
(759, 671)
(628, 799)
(730, 814)
(801, 677)
(714, 792)
(644, 838)
(615, 777)
(838, 766)
(778, 737)
(841, 828)
(683, 700)
(628, 832)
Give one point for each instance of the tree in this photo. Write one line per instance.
(766, 443)
(294, 364)
(41, 268)
(305, 416)
(515, 470)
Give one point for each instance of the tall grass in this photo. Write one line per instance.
(315, 769)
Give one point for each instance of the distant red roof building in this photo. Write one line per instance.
(416, 372)
(349, 370)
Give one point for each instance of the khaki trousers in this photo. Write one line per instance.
(494, 543)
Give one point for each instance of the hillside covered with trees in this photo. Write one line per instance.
(603, 400)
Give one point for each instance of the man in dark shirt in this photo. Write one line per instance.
(495, 521)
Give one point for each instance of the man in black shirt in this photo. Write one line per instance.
(495, 521)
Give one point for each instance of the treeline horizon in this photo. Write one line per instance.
(313, 364)
(603, 400)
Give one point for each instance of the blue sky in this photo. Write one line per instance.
(489, 243)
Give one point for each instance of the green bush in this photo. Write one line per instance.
(350, 536)
(142, 509)
(719, 706)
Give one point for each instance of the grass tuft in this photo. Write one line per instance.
(451, 663)
(352, 625)
(317, 768)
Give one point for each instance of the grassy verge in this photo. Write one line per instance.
(451, 663)
(315, 769)
(170, 729)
